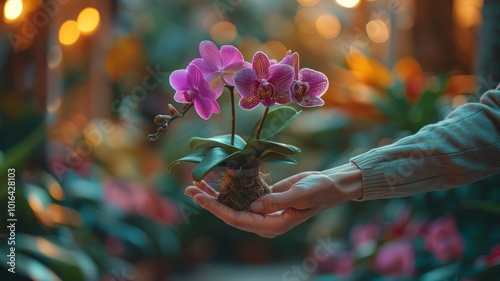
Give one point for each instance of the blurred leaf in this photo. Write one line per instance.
(491, 273)
(223, 141)
(214, 157)
(441, 273)
(18, 153)
(276, 120)
(31, 268)
(488, 206)
(67, 264)
(277, 158)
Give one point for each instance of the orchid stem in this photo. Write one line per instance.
(261, 124)
(233, 113)
(175, 114)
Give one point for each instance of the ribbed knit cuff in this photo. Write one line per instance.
(374, 180)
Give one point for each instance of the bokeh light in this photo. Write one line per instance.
(467, 13)
(12, 10)
(377, 31)
(69, 32)
(348, 3)
(223, 32)
(88, 20)
(274, 49)
(328, 26)
(54, 57)
(308, 3)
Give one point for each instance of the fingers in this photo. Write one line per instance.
(280, 201)
(269, 225)
(286, 184)
(203, 185)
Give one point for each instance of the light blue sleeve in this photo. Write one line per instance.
(463, 148)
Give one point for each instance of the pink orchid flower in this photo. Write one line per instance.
(191, 87)
(395, 258)
(444, 240)
(218, 67)
(264, 83)
(308, 85)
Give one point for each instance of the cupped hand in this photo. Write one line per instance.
(291, 202)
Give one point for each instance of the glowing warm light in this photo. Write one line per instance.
(348, 3)
(12, 10)
(378, 31)
(308, 3)
(467, 13)
(275, 49)
(223, 32)
(328, 26)
(69, 32)
(88, 20)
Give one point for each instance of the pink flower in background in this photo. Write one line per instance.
(218, 67)
(264, 83)
(308, 85)
(340, 263)
(443, 239)
(364, 233)
(191, 87)
(395, 258)
(494, 256)
(134, 198)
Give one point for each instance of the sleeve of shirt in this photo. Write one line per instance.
(463, 148)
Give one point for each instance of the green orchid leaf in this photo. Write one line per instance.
(193, 157)
(215, 157)
(278, 158)
(68, 264)
(33, 269)
(260, 148)
(223, 141)
(276, 120)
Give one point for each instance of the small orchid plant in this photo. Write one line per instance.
(264, 81)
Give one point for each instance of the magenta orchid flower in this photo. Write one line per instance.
(308, 85)
(218, 67)
(191, 87)
(264, 83)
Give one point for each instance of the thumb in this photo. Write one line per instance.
(276, 201)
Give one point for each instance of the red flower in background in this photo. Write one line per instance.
(443, 239)
(135, 198)
(395, 258)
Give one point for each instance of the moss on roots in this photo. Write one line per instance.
(239, 188)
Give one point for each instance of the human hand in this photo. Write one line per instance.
(291, 202)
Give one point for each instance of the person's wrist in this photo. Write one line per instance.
(348, 178)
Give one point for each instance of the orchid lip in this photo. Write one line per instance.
(266, 90)
(299, 90)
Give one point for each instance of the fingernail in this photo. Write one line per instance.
(256, 207)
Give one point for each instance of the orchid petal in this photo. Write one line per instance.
(203, 107)
(215, 82)
(231, 69)
(206, 91)
(283, 97)
(311, 101)
(180, 97)
(230, 55)
(195, 74)
(246, 82)
(249, 102)
(318, 82)
(281, 76)
(180, 80)
(204, 67)
(215, 106)
(287, 60)
(210, 54)
(261, 64)
(296, 64)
